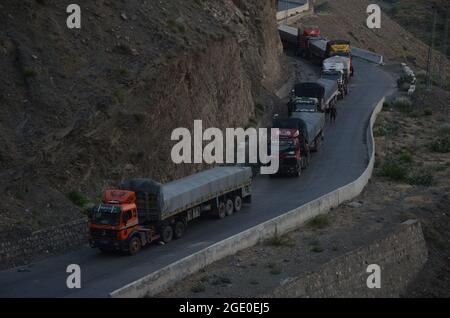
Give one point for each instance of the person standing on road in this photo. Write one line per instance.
(333, 114)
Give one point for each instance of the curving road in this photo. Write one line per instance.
(342, 159)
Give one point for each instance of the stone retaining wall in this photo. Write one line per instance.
(401, 255)
(38, 245)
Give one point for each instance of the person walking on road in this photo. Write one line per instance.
(333, 114)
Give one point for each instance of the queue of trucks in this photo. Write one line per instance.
(142, 211)
(303, 131)
(309, 43)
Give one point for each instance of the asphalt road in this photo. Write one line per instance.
(342, 159)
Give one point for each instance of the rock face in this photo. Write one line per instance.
(83, 109)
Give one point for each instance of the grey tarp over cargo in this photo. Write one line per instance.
(192, 190)
(331, 88)
(314, 121)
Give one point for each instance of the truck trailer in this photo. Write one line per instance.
(142, 211)
(297, 38)
(337, 76)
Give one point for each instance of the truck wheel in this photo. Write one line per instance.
(135, 246)
(178, 229)
(221, 210)
(166, 233)
(237, 203)
(229, 207)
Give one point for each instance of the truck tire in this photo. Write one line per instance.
(221, 210)
(178, 229)
(237, 203)
(229, 206)
(166, 233)
(134, 246)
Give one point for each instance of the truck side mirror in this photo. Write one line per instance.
(126, 217)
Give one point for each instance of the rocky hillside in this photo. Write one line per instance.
(417, 17)
(83, 109)
(393, 41)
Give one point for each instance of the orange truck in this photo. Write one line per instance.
(142, 211)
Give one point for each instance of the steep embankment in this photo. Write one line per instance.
(84, 109)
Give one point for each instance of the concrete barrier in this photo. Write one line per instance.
(282, 15)
(156, 282)
(367, 55)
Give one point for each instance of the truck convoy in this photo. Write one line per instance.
(142, 211)
(309, 43)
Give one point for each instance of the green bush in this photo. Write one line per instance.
(119, 93)
(389, 129)
(445, 130)
(29, 72)
(404, 104)
(78, 199)
(405, 157)
(441, 145)
(320, 222)
(421, 178)
(394, 170)
(199, 288)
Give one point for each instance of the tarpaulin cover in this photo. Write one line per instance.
(194, 189)
(309, 89)
(330, 86)
(330, 62)
(314, 122)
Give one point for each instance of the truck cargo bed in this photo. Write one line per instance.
(179, 195)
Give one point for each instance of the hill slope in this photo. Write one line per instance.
(84, 109)
(346, 19)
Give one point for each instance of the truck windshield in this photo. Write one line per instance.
(287, 148)
(106, 215)
(305, 107)
(330, 77)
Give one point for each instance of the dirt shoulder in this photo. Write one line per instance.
(411, 181)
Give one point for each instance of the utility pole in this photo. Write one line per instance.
(444, 65)
(287, 11)
(430, 53)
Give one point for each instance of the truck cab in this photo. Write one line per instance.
(114, 224)
(340, 48)
(289, 151)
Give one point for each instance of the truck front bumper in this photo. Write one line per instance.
(109, 245)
